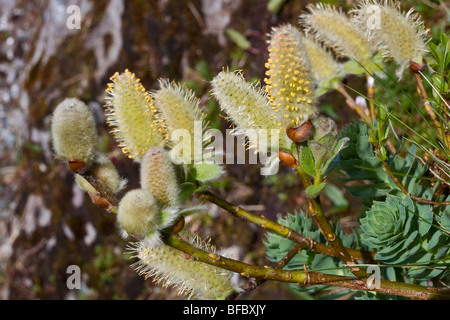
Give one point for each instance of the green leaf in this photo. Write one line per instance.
(353, 67)
(321, 152)
(425, 218)
(206, 171)
(238, 39)
(314, 190)
(274, 6)
(337, 197)
(307, 161)
(187, 189)
(435, 240)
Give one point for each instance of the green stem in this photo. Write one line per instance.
(305, 242)
(304, 277)
(327, 230)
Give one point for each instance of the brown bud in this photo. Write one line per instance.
(100, 202)
(287, 159)
(415, 67)
(178, 226)
(300, 133)
(77, 167)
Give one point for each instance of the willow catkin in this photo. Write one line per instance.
(290, 83)
(74, 132)
(130, 112)
(400, 36)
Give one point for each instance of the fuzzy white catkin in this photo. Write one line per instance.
(169, 268)
(74, 132)
(324, 66)
(158, 177)
(138, 213)
(336, 30)
(400, 36)
(247, 107)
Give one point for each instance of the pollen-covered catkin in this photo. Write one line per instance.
(138, 213)
(130, 112)
(290, 83)
(74, 132)
(158, 177)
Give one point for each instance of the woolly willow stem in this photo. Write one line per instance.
(305, 242)
(304, 277)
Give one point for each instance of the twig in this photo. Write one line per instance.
(305, 242)
(352, 104)
(305, 277)
(403, 189)
(316, 211)
(424, 95)
(371, 95)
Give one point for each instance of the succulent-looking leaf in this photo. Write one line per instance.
(131, 114)
(402, 231)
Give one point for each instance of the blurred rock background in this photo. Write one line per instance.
(46, 222)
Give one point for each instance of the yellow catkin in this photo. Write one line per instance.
(290, 83)
(130, 112)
